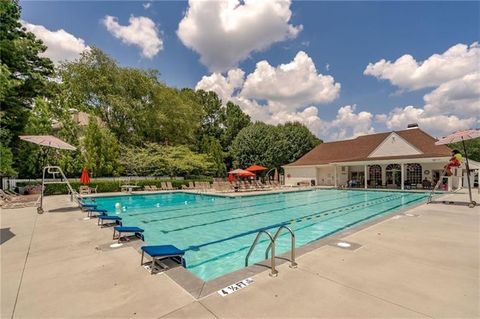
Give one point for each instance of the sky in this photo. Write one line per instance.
(343, 69)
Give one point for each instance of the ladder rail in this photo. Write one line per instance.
(293, 264)
(54, 170)
(437, 185)
(274, 271)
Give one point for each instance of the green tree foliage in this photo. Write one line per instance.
(211, 146)
(48, 117)
(101, 150)
(6, 162)
(136, 107)
(24, 75)
(473, 148)
(235, 120)
(272, 146)
(159, 160)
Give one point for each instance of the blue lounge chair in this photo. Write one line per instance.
(116, 219)
(137, 231)
(86, 207)
(95, 211)
(162, 252)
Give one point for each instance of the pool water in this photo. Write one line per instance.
(217, 232)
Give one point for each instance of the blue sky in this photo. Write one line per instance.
(346, 36)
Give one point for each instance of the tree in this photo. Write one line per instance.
(235, 120)
(473, 148)
(272, 146)
(6, 162)
(135, 106)
(211, 146)
(24, 75)
(255, 144)
(160, 160)
(101, 150)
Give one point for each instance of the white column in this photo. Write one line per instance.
(335, 175)
(402, 174)
(365, 176)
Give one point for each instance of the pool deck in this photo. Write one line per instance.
(422, 263)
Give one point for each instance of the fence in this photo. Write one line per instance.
(9, 183)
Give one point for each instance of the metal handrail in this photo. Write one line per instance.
(273, 272)
(293, 264)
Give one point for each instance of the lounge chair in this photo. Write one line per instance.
(137, 232)
(163, 186)
(147, 188)
(170, 186)
(154, 188)
(96, 212)
(158, 253)
(84, 190)
(116, 220)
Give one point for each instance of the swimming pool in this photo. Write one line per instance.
(217, 231)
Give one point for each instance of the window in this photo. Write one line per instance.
(375, 175)
(393, 173)
(414, 173)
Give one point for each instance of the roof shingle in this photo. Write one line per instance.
(360, 148)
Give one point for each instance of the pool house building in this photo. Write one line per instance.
(406, 159)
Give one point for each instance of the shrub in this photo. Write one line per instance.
(110, 186)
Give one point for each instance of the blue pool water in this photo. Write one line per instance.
(217, 231)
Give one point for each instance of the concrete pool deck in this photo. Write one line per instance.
(421, 264)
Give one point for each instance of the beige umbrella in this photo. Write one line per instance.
(48, 140)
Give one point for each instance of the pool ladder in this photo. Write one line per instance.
(271, 246)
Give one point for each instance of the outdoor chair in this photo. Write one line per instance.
(154, 187)
(158, 253)
(115, 220)
(147, 188)
(170, 186)
(164, 186)
(84, 190)
(137, 232)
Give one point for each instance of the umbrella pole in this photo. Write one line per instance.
(468, 174)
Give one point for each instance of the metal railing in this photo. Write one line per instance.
(271, 247)
(273, 272)
(293, 264)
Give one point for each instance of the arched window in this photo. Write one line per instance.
(375, 175)
(393, 174)
(414, 173)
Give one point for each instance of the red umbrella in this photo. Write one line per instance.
(256, 168)
(84, 179)
(246, 174)
(230, 178)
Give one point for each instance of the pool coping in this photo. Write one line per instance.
(200, 289)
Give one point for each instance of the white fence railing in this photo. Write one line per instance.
(9, 183)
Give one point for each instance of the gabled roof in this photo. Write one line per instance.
(359, 149)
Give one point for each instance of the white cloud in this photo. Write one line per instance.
(294, 84)
(407, 73)
(223, 86)
(62, 46)
(141, 31)
(454, 102)
(147, 5)
(225, 32)
(286, 93)
(438, 125)
(459, 96)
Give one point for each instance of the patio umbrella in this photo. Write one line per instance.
(84, 179)
(246, 174)
(241, 173)
(462, 136)
(256, 168)
(48, 140)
